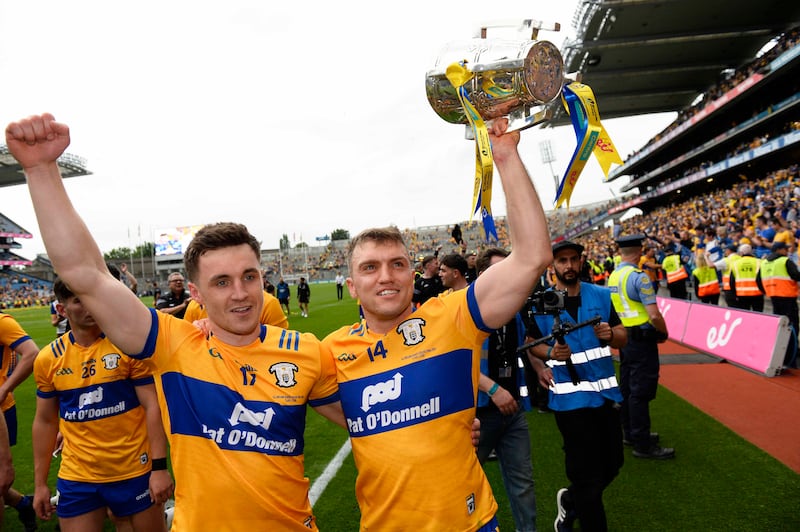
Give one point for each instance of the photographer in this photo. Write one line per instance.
(586, 413)
(502, 402)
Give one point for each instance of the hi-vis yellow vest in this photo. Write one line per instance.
(776, 280)
(707, 283)
(745, 270)
(726, 274)
(675, 270)
(631, 313)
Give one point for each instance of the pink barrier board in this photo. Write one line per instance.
(751, 339)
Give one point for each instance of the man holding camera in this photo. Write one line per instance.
(502, 402)
(634, 299)
(586, 411)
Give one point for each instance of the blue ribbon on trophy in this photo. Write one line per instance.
(479, 80)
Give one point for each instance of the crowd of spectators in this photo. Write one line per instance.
(785, 42)
(19, 291)
(757, 213)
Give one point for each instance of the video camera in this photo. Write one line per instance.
(547, 302)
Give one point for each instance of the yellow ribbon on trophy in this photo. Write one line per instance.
(579, 101)
(458, 75)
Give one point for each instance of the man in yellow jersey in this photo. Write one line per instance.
(634, 299)
(233, 401)
(106, 408)
(408, 379)
(17, 353)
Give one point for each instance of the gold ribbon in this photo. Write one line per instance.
(458, 75)
(579, 101)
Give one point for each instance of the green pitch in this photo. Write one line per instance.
(717, 482)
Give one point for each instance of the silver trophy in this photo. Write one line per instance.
(512, 78)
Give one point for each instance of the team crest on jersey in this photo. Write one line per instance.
(284, 374)
(111, 360)
(411, 330)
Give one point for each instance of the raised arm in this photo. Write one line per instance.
(36, 142)
(133, 283)
(502, 290)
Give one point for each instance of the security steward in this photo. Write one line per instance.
(778, 278)
(634, 299)
(749, 296)
(726, 266)
(676, 275)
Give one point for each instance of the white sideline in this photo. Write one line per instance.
(330, 471)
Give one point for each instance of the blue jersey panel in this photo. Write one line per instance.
(207, 410)
(409, 395)
(97, 401)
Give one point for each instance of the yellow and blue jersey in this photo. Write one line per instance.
(103, 424)
(11, 335)
(409, 400)
(235, 416)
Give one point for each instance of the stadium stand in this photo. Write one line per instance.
(724, 161)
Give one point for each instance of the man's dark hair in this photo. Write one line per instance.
(427, 260)
(484, 260)
(217, 236)
(114, 271)
(61, 291)
(456, 262)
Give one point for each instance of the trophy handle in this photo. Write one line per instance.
(527, 24)
(517, 121)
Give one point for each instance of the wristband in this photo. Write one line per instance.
(550, 350)
(493, 389)
(159, 464)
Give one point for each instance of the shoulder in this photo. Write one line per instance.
(347, 334)
(593, 289)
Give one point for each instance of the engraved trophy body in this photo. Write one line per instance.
(512, 78)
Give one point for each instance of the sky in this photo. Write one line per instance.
(293, 119)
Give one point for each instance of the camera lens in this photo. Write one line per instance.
(550, 299)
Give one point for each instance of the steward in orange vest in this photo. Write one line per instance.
(676, 274)
(743, 280)
(706, 283)
(778, 278)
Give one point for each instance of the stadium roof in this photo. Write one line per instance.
(648, 56)
(11, 171)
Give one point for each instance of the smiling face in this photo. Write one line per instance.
(382, 279)
(229, 286)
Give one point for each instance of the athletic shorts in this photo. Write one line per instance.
(491, 526)
(11, 421)
(284, 301)
(123, 498)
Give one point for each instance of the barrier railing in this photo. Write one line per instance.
(753, 340)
